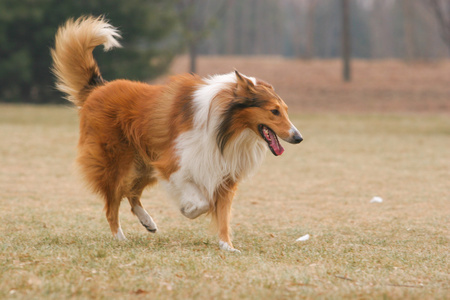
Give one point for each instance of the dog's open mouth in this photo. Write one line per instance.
(272, 140)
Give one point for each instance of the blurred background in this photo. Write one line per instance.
(383, 55)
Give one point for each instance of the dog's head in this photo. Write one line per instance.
(256, 106)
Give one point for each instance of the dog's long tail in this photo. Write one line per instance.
(74, 66)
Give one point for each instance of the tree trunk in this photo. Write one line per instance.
(346, 40)
(441, 11)
(193, 57)
(310, 29)
(379, 40)
(231, 37)
(408, 30)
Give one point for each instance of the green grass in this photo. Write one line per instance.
(55, 241)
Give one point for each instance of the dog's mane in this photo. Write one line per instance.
(211, 151)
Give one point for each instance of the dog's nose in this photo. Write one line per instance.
(295, 136)
(297, 139)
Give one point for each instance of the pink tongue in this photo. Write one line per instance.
(277, 148)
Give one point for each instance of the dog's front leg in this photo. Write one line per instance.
(192, 202)
(224, 199)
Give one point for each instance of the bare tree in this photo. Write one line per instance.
(441, 10)
(380, 36)
(346, 39)
(408, 27)
(197, 18)
(310, 28)
(230, 28)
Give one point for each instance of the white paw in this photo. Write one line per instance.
(192, 211)
(226, 247)
(145, 219)
(120, 236)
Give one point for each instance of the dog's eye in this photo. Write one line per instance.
(276, 112)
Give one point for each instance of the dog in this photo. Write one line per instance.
(199, 137)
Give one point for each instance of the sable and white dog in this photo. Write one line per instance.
(197, 136)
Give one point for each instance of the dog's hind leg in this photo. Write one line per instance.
(136, 206)
(112, 215)
(102, 176)
(138, 210)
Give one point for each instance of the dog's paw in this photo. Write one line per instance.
(226, 247)
(193, 211)
(145, 219)
(120, 236)
(152, 228)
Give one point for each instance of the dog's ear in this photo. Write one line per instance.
(243, 83)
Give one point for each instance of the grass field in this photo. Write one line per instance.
(56, 244)
(389, 138)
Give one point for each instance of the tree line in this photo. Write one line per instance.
(28, 27)
(155, 31)
(404, 29)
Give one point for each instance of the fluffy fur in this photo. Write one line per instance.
(199, 137)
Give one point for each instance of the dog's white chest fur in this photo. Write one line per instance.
(202, 163)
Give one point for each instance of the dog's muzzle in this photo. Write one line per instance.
(294, 137)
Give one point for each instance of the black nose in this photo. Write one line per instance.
(297, 139)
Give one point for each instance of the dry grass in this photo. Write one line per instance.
(55, 242)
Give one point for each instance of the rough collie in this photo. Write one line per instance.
(198, 136)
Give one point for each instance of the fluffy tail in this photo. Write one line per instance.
(74, 65)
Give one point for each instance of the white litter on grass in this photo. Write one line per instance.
(376, 200)
(303, 238)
